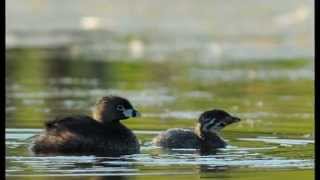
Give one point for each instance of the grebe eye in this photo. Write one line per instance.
(120, 107)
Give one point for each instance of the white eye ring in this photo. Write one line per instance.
(120, 107)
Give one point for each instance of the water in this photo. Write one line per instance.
(274, 139)
(158, 30)
(154, 161)
(172, 60)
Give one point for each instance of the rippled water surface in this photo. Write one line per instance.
(173, 60)
(154, 161)
(274, 138)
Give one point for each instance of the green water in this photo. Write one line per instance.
(273, 97)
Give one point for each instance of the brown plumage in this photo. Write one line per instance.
(102, 134)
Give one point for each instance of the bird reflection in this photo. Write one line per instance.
(112, 178)
(117, 165)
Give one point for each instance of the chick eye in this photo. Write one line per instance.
(120, 107)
